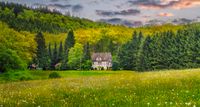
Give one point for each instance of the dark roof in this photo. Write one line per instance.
(104, 56)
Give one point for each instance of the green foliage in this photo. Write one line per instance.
(10, 60)
(60, 52)
(16, 48)
(115, 66)
(54, 59)
(54, 75)
(41, 55)
(129, 53)
(70, 40)
(69, 43)
(154, 47)
(17, 75)
(87, 55)
(164, 50)
(86, 61)
(75, 56)
(86, 65)
(22, 18)
(50, 51)
(115, 63)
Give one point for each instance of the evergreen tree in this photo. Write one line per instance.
(70, 40)
(69, 43)
(50, 56)
(60, 52)
(87, 55)
(54, 60)
(50, 51)
(144, 63)
(42, 56)
(86, 62)
(138, 50)
(128, 55)
(17, 9)
(196, 48)
(184, 49)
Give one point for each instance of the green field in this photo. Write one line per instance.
(174, 88)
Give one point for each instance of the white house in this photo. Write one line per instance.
(102, 61)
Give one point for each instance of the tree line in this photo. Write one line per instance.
(71, 56)
(164, 50)
(24, 18)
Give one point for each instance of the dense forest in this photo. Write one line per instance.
(41, 19)
(52, 41)
(164, 50)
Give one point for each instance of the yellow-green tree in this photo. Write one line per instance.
(75, 56)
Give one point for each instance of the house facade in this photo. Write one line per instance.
(102, 61)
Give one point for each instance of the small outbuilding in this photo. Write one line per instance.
(102, 61)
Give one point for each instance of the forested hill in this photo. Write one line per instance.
(24, 18)
(31, 36)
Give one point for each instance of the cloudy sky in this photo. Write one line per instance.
(123, 11)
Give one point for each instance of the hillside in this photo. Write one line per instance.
(30, 32)
(41, 19)
(52, 56)
(22, 18)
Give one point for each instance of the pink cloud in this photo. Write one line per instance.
(175, 4)
(165, 14)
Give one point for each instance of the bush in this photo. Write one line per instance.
(86, 65)
(17, 76)
(54, 75)
(115, 66)
(9, 60)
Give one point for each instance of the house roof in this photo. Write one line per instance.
(102, 56)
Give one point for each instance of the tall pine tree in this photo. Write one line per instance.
(42, 56)
(86, 62)
(128, 55)
(70, 40)
(60, 52)
(69, 43)
(54, 60)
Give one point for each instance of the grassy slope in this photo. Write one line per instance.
(166, 88)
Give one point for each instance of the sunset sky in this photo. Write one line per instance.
(123, 11)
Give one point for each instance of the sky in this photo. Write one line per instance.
(126, 12)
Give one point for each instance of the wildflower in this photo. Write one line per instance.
(189, 103)
(24, 101)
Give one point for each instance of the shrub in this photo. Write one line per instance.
(17, 75)
(115, 66)
(86, 65)
(10, 60)
(54, 75)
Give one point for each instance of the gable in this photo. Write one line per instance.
(101, 57)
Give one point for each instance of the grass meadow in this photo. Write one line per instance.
(170, 88)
